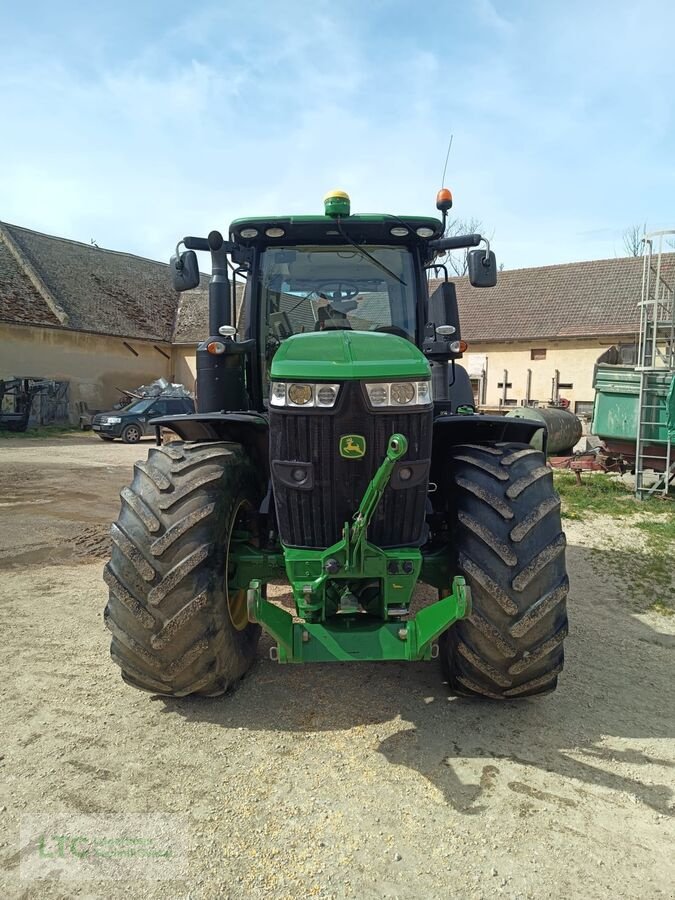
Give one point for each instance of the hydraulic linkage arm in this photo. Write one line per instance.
(355, 535)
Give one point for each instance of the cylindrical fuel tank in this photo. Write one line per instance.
(563, 427)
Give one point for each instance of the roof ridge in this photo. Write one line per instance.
(93, 247)
(31, 273)
(567, 265)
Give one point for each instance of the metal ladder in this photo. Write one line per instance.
(656, 365)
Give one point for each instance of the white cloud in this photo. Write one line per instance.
(558, 131)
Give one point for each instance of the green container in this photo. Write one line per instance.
(615, 412)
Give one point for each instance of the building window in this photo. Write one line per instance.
(583, 408)
(538, 354)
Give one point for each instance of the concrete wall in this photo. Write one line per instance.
(184, 365)
(574, 359)
(95, 365)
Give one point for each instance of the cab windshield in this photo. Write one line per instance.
(306, 289)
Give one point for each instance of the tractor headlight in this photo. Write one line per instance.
(424, 392)
(326, 394)
(302, 394)
(402, 392)
(399, 393)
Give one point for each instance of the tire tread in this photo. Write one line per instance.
(511, 550)
(167, 609)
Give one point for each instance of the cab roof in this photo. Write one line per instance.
(366, 228)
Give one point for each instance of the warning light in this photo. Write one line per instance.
(336, 203)
(444, 199)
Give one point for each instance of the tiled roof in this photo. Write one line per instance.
(192, 317)
(20, 300)
(573, 300)
(96, 290)
(51, 281)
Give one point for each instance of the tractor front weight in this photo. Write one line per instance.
(354, 597)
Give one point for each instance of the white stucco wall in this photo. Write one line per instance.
(184, 365)
(95, 365)
(574, 359)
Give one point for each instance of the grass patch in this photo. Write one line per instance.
(42, 431)
(659, 530)
(647, 574)
(661, 608)
(598, 494)
(645, 577)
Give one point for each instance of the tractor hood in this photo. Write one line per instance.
(340, 355)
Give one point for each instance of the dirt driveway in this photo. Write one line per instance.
(355, 781)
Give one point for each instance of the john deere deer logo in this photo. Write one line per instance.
(352, 446)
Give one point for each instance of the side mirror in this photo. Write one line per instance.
(185, 271)
(482, 268)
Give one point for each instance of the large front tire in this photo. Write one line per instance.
(510, 548)
(176, 628)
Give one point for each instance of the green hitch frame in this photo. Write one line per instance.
(323, 584)
(359, 638)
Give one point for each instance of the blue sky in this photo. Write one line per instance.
(136, 123)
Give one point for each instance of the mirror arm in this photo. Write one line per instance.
(195, 243)
(178, 264)
(486, 258)
(436, 267)
(459, 242)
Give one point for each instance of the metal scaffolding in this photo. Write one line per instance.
(656, 365)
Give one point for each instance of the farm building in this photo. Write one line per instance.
(537, 335)
(96, 321)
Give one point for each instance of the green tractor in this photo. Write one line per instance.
(336, 446)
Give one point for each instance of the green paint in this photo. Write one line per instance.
(354, 597)
(616, 410)
(359, 637)
(352, 446)
(336, 204)
(248, 563)
(337, 355)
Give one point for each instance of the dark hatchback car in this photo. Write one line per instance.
(131, 423)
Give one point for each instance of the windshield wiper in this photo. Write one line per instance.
(301, 300)
(369, 256)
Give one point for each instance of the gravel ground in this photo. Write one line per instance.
(354, 781)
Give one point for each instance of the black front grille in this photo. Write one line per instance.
(314, 518)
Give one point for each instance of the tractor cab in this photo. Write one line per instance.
(306, 274)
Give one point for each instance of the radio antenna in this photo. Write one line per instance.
(447, 157)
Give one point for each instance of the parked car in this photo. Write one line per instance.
(132, 423)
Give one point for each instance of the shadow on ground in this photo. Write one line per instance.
(616, 685)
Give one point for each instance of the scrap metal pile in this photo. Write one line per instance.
(16, 400)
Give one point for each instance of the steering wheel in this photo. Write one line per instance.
(338, 290)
